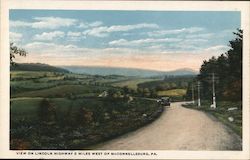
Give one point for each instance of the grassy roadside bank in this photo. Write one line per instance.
(229, 113)
(61, 123)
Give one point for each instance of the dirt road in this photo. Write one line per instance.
(178, 128)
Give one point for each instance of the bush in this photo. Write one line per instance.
(46, 111)
(84, 117)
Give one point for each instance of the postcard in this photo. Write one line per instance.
(124, 80)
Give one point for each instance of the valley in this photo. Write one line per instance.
(75, 110)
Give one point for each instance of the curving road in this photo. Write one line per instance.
(178, 128)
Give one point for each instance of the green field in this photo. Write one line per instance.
(58, 110)
(51, 110)
(63, 91)
(172, 92)
(75, 124)
(25, 81)
(133, 83)
(29, 74)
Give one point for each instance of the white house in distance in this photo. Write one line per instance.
(103, 94)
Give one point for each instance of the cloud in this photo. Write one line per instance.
(204, 35)
(123, 42)
(226, 33)
(184, 47)
(53, 22)
(74, 34)
(155, 58)
(45, 23)
(44, 46)
(54, 49)
(188, 44)
(96, 32)
(198, 41)
(175, 31)
(48, 36)
(118, 28)
(20, 24)
(15, 37)
(104, 30)
(92, 24)
(217, 48)
(39, 45)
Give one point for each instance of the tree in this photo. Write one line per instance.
(153, 93)
(228, 69)
(125, 90)
(233, 89)
(14, 50)
(47, 111)
(140, 91)
(84, 117)
(235, 55)
(146, 92)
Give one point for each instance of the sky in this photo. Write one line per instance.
(156, 40)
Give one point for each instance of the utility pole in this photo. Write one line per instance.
(212, 78)
(192, 93)
(199, 100)
(214, 98)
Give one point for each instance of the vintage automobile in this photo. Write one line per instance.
(164, 101)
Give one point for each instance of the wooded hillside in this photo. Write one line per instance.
(227, 69)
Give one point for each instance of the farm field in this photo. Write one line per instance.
(30, 81)
(52, 110)
(133, 83)
(172, 92)
(63, 90)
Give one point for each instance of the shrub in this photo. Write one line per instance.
(84, 117)
(46, 111)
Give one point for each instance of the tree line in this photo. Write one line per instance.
(227, 71)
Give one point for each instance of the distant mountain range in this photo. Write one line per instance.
(127, 71)
(36, 67)
(93, 70)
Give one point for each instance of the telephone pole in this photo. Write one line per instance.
(214, 98)
(199, 100)
(192, 93)
(212, 79)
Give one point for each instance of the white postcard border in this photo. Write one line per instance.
(243, 7)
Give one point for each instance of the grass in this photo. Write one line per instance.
(222, 113)
(132, 83)
(30, 74)
(31, 85)
(26, 81)
(111, 117)
(54, 78)
(24, 106)
(63, 111)
(34, 74)
(172, 92)
(62, 91)
(28, 107)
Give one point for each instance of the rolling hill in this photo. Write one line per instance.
(36, 67)
(127, 71)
